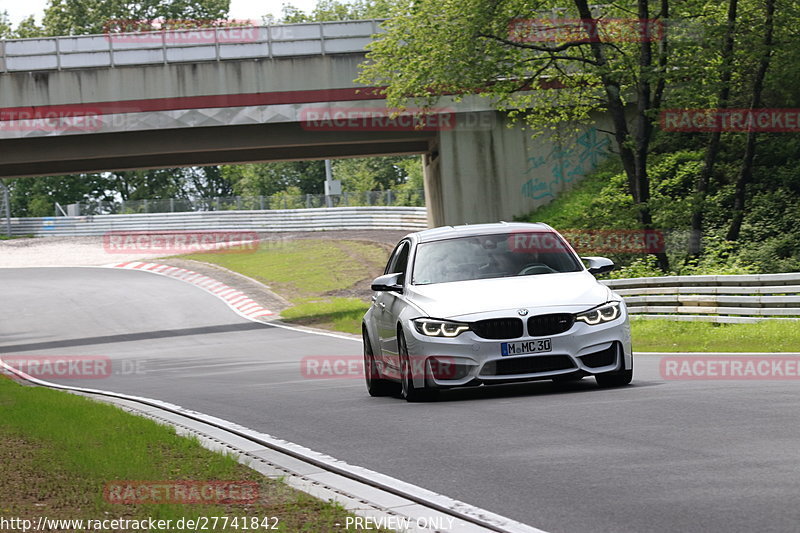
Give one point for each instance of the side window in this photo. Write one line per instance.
(398, 262)
(392, 259)
(402, 263)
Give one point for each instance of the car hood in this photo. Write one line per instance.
(461, 298)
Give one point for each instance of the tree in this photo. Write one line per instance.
(331, 10)
(81, 17)
(492, 48)
(267, 179)
(746, 172)
(713, 147)
(371, 173)
(5, 25)
(36, 197)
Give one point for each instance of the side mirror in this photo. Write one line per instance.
(599, 265)
(387, 282)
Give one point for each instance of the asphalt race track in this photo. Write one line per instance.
(656, 456)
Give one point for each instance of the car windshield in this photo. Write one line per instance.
(492, 256)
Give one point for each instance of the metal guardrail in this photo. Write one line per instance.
(389, 197)
(336, 218)
(219, 43)
(724, 298)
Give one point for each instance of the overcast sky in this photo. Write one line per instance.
(240, 9)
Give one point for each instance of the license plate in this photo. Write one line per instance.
(525, 347)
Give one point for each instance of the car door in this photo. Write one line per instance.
(389, 306)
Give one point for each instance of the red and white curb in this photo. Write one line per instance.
(236, 300)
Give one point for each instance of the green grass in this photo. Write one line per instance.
(339, 314)
(60, 450)
(325, 279)
(671, 336)
(306, 268)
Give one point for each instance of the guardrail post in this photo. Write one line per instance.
(261, 201)
(6, 207)
(172, 205)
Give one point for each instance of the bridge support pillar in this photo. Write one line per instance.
(485, 170)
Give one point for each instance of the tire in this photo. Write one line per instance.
(617, 378)
(408, 391)
(376, 386)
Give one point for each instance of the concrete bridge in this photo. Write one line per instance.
(238, 95)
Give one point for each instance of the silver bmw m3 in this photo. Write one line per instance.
(492, 303)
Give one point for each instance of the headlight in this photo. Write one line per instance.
(599, 315)
(440, 328)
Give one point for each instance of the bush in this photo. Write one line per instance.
(770, 235)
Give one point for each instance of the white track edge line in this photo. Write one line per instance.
(443, 503)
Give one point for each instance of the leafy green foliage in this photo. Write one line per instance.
(770, 239)
(75, 17)
(328, 10)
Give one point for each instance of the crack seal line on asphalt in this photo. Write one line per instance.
(438, 502)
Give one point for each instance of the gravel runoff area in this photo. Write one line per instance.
(89, 251)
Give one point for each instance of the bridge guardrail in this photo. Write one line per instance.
(722, 298)
(277, 220)
(114, 49)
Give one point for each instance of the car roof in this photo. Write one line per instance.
(472, 230)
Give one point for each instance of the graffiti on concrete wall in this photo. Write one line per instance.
(563, 165)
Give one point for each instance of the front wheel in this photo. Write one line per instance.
(617, 378)
(407, 389)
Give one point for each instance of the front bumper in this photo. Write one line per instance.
(469, 360)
